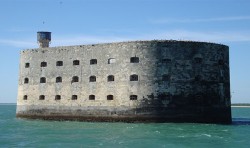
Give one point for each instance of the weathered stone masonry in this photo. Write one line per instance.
(155, 81)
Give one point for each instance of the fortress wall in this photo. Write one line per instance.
(176, 78)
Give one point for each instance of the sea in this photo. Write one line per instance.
(16, 132)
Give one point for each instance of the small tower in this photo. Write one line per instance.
(43, 39)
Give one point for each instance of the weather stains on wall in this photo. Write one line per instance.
(158, 81)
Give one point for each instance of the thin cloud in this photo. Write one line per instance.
(220, 19)
(218, 37)
(18, 43)
(202, 36)
(79, 40)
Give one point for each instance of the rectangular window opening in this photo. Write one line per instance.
(75, 79)
(27, 65)
(92, 79)
(59, 63)
(43, 80)
(110, 97)
(134, 77)
(134, 60)
(26, 80)
(41, 97)
(111, 78)
(58, 79)
(93, 61)
(25, 97)
(76, 62)
(91, 97)
(43, 64)
(133, 97)
(74, 97)
(57, 97)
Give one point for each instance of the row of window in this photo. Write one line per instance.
(76, 79)
(198, 60)
(92, 62)
(110, 78)
(75, 97)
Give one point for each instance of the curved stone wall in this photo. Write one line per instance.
(156, 81)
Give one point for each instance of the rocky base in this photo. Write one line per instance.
(143, 115)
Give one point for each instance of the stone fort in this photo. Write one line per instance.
(136, 81)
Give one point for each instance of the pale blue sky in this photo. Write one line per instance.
(74, 22)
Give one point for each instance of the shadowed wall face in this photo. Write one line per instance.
(167, 81)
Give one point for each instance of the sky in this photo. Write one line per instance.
(75, 22)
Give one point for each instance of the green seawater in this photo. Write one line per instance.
(16, 132)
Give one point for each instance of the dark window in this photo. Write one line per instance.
(27, 65)
(134, 60)
(221, 78)
(110, 97)
(164, 96)
(58, 79)
(92, 79)
(166, 77)
(198, 78)
(25, 97)
(134, 77)
(57, 97)
(198, 60)
(76, 62)
(74, 97)
(221, 62)
(75, 79)
(91, 97)
(93, 61)
(43, 64)
(167, 60)
(43, 80)
(59, 63)
(133, 97)
(26, 80)
(111, 78)
(41, 97)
